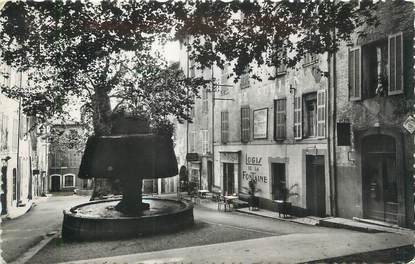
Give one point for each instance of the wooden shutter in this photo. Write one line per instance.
(355, 74)
(321, 113)
(245, 124)
(224, 127)
(395, 60)
(298, 117)
(280, 119)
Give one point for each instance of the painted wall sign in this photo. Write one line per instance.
(260, 123)
(253, 170)
(253, 160)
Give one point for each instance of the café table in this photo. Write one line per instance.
(228, 200)
(202, 193)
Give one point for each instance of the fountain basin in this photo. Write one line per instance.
(97, 221)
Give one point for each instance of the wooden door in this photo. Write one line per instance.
(56, 184)
(228, 178)
(380, 195)
(315, 185)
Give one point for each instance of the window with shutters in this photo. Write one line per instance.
(310, 115)
(224, 74)
(192, 145)
(355, 65)
(245, 124)
(395, 48)
(310, 59)
(245, 83)
(224, 120)
(204, 138)
(281, 69)
(297, 117)
(15, 134)
(205, 106)
(376, 68)
(321, 113)
(192, 69)
(280, 121)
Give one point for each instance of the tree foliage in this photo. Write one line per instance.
(99, 51)
(95, 52)
(269, 32)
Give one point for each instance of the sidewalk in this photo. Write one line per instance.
(16, 212)
(293, 248)
(362, 225)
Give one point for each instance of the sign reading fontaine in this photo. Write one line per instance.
(253, 169)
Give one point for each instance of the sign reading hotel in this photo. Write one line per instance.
(409, 124)
(252, 169)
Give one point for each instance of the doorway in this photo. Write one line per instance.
(380, 178)
(4, 189)
(210, 174)
(228, 178)
(55, 183)
(315, 185)
(278, 180)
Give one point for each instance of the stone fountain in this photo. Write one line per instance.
(130, 154)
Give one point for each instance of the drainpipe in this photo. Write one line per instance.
(187, 122)
(331, 137)
(213, 132)
(18, 174)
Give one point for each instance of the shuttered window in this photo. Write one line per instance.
(205, 101)
(245, 124)
(395, 51)
(224, 118)
(15, 134)
(355, 74)
(280, 128)
(321, 113)
(297, 117)
(204, 138)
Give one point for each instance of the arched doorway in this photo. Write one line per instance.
(55, 183)
(380, 178)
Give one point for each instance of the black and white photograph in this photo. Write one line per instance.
(203, 131)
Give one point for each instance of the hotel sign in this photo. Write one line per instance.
(409, 124)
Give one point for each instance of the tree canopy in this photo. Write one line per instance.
(99, 51)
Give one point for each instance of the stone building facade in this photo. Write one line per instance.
(327, 129)
(374, 96)
(23, 151)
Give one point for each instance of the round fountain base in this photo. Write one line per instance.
(99, 220)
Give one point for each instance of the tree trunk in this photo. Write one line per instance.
(102, 126)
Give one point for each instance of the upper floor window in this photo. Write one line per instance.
(4, 131)
(205, 106)
(245, 83)
(281, 69)
(224, 120)
(224, 74)
(376, 68)
(204, 138)
(309, 59)
(192, 141)
(245, 124)
(192, 70)
(310, 115)
(280, 126)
